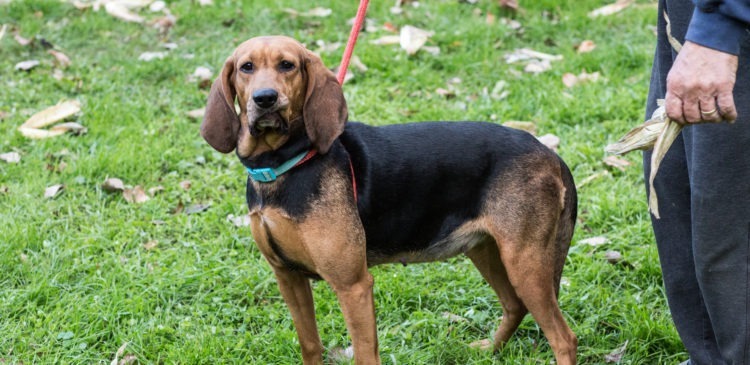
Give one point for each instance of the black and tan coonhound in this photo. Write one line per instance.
(328, 198)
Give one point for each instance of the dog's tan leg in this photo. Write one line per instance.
(486, 258)
(531, 271)
(358, 307)
(295, 288)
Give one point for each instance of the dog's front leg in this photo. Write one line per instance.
(295, 288)
(358, 307)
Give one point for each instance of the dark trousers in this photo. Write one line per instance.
(703, 236)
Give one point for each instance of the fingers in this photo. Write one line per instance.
(727, 110)
(708, 110)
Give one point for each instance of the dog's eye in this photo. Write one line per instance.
(286, 66)
(247, 67)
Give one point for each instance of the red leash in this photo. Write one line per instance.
(358, 22)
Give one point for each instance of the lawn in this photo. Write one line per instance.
(172, 280)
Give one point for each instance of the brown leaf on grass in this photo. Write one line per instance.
(594, 241)
(616, 354)
(526, 54)
(610, 9)
(53, 191)
(26, 65)
(72, 127)
(10, 157)
(53, 114)
(135, 195)
(448, 94)
(585, 46)
(616, 162)
(3, 29)
(239, 221)
(613, 257)
(484, 345)
(185, 184)
(550, 140)
(150, 56)
(508, 4)
(112, 185)
(591, 178)
(455, 318)
(524, 126)
(338, 355)
(155, 190)
(389, 27)
(318, 12)
(20, 39)
(121, 11)
(4, 189)
(386, 40)
(197, 208)
(120, 352)
(412, 38)
(570, 80)
(63, 61)
(150, 245)
(129, 359)
(164, 23)
(197, 113)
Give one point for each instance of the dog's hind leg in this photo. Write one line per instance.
(486, 258)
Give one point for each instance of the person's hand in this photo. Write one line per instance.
(699, 86)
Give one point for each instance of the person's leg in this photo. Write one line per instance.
(673, 231)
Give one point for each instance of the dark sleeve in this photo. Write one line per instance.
(720, 25)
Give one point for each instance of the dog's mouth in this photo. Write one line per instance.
(269, 122)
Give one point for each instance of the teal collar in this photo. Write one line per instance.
(269, 174)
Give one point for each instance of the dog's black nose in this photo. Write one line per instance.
(265, 98)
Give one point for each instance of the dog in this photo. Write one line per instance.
(329, 198)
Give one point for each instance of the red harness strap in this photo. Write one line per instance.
(312, 154)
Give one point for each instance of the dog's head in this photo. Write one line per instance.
(280, 86)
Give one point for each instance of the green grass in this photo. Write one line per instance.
(76, 282)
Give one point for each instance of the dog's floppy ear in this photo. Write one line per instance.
(221, 125)
(324, 111)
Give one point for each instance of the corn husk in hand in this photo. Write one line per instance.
(658, 133)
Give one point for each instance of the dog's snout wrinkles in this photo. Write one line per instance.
(265, 98)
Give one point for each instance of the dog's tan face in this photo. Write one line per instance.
(279, 86)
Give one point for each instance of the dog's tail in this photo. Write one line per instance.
(566, 224)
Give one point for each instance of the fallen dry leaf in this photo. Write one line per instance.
(594, 241)
(113, 184)
(570, 80)
(550, 140)
(613, 257)
(484, 345)
(611, 8)
(585, 46)
(150, 56)
(412, 38)
(509, 4)
(53, 114)
(445, 93)
(2, 31)
(26, 65)
(155, 190)
(20, 39)
(314, 12)
(616, 162)
(524, 126)
(53, 191)
(129, 358)
(455, 318)
(358, 65)
(135, 195)
(120, 10)
(201, 74)
(4, 189)
(526, 54)
(120, 352)
(537, 66)
(386, 40)
(500, 91)
(185, 184)
(197, 113)
(72, 127)
(10, 157)
(239, 221)
(150, 245)
(617, 354)
(591, 178)
(197, 208)
(62, 60)
(337, 355)
(34, 133)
